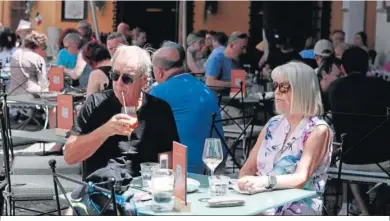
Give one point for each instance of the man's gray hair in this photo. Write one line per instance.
(73, 37)
(134, 53)
(117, 35)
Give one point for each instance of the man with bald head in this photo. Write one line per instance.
(191, 101)
(125, 30)
(102, 132)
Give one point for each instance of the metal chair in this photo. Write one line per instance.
(356, 176)
(238, 135)
(26, 180)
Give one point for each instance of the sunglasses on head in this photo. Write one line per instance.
(126, 78)
(283, 87)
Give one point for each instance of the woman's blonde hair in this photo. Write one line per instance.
(306, 95)
(35, 40)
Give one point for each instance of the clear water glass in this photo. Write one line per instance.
(147, 170)
(146, 178)
(219, 185)
(162, 190)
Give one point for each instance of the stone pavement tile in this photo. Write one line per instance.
(44, 206)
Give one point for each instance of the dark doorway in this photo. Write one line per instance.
(256, 34)
(158, 18)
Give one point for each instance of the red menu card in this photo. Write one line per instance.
(180, 170)
(237, 76)
(56, 79)
(65, 111)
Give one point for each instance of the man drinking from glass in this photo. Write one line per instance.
(102, 133)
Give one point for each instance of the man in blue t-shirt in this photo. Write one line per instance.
(191, 101)
(221, 62)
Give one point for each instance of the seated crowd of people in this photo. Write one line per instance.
(292, 151)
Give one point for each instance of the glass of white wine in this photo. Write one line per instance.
(212, 153)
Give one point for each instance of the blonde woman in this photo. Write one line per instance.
(293, 150)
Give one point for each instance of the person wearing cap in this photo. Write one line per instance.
(191, 101)
(322, 49)
(24, 28)
(195, 44)
(220, 64)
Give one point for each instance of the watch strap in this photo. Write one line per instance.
(271, 182)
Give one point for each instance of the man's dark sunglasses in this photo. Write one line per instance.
(126, 78)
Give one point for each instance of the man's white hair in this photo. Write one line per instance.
(134, 53)
(306, 95)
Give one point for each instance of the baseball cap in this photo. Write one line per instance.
(323, 48)
(191, 38)
(23, 25)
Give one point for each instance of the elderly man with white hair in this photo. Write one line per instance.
(103, 131)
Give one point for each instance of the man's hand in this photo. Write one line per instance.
(120, 124)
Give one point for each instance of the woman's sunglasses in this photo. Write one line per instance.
(126, 78)
(283, 87)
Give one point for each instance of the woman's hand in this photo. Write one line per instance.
(253, 184)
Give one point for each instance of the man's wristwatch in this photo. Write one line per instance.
(271, 182)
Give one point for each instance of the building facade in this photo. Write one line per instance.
(226, 16)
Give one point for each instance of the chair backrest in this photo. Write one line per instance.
(358, 106)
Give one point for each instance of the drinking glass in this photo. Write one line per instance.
(131, 111)
(219, 185)
(212, 153)
(162, 189)
(147, 170)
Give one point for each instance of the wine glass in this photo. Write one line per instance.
(212, 153)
